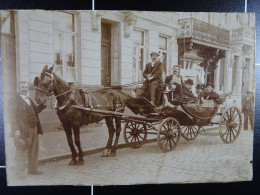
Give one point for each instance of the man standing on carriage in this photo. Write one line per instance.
(153, 78)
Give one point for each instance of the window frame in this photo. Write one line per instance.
(137, 48)
(65, 34)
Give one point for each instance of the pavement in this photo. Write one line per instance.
(205, 159)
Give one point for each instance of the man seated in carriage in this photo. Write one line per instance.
(153, 78)
(187, 89)
(209, 93)
(173, 84)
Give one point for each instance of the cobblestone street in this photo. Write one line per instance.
(205, 159)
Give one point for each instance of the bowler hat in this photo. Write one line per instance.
(209, 84)
(154, 53)
(200, 86)
(189, 81)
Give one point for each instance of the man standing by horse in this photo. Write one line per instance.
(153, 78)
(26, 139)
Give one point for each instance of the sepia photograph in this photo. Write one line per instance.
(127, 97)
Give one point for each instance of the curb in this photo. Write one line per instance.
(86, 152)
(95, 150)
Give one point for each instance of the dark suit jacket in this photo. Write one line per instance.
(22, 116)
(248, 104)
(187, 92)
(211, 95)
(156, 71)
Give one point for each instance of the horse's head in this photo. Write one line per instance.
(43, 85)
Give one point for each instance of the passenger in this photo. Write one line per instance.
(153, 78)
(186, 89)
(173, 83)
(209, 94)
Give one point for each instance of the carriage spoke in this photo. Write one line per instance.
(141, 137)
(225, 132)
(234, 117)
(193, 130)
(137, 139)
(132, 139)
(173, 140)
(232, 133)
(129, 136)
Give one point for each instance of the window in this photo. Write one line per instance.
(138, 56)
(64, 40)
(163, 52)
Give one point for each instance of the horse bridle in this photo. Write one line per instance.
(50, 88)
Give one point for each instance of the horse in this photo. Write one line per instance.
(49, 83)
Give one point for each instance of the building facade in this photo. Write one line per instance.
(111, 48)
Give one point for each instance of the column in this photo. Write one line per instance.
(239, 75)
(227, 76)
(216, 76)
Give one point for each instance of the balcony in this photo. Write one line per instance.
(243, 36)
(204, 33)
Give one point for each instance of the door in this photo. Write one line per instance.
(106, 54)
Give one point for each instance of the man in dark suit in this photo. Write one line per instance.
(153, 78)
(29, 128)
(209, 93)
(187, 88)
(248, 109)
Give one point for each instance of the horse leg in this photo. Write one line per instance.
(78, 144)
(118, 131)
(111, 132)
(68, 132)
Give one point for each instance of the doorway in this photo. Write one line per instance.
(105, 54)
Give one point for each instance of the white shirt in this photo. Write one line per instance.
(152, 64)
(26, 99)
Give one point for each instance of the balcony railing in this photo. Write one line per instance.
(243, 35)
(203, 31)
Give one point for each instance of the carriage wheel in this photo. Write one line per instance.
(190, 132)
(135, 134)
(230, 124)
(168, 134)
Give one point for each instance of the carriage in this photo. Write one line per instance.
(184, 119)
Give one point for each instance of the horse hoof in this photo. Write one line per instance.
(113, 153)
(80, 162)
(106, 153)
(72, 162)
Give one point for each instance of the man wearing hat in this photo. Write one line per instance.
(248, 109)
(209, 93)
(153, 78)
(186, 89)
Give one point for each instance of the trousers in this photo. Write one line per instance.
(248, 115)
(149, 87)
(28, 157)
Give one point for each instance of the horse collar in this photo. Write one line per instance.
(68, 102)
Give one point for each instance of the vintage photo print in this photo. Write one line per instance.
(127, 97)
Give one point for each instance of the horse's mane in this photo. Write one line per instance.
(60, 81)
